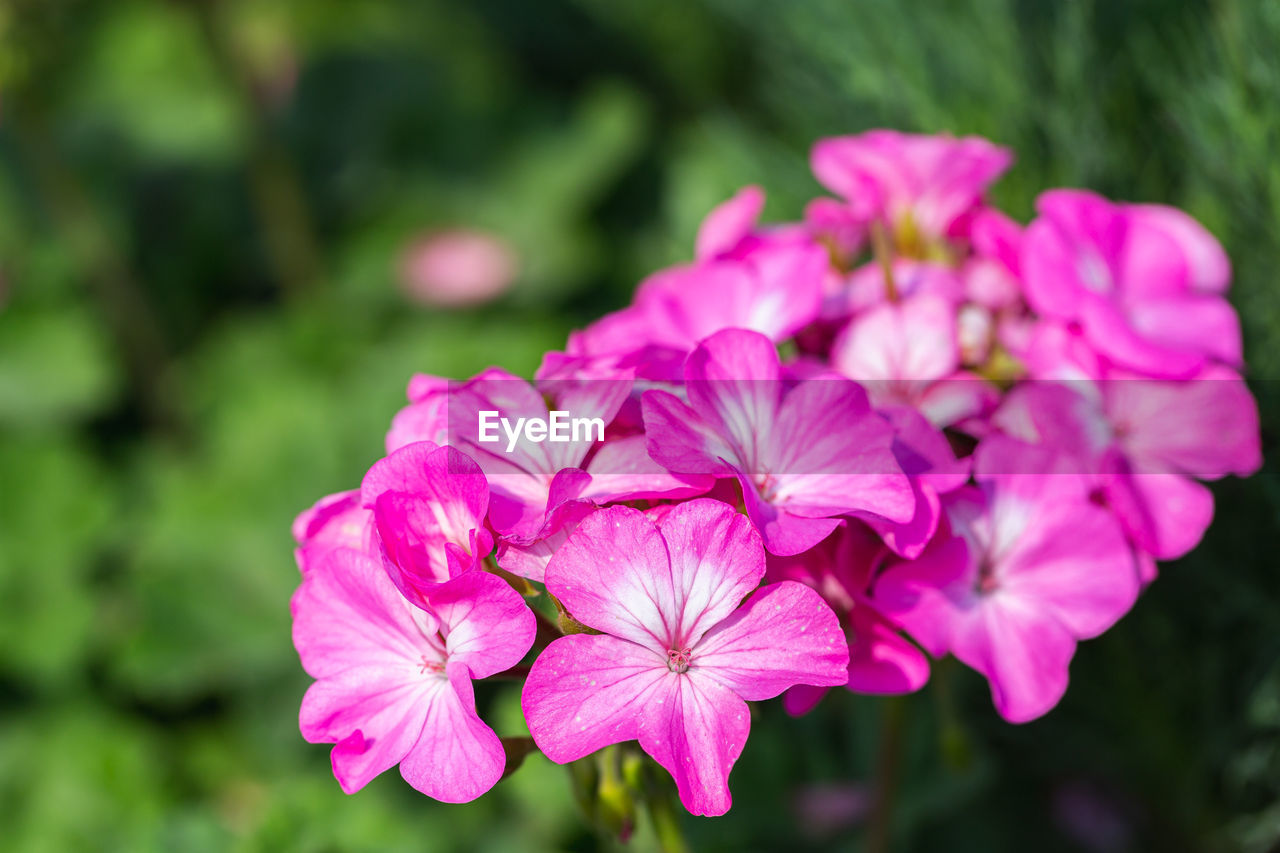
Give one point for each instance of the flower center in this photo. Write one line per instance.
(678, 660)
(430, 667)
(987, 581)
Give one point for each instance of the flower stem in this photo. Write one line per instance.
(883, 251)
(880, 826)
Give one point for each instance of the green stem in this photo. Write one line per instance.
(880, 825)
(883, 251)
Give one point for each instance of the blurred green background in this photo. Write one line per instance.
(202, 208)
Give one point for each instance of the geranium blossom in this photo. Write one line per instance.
(393, 681)
(920, 421)
(1027, 567)
(803, 455)
(677, 656)
(1144, 282)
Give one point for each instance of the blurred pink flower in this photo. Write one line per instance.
(457, 267)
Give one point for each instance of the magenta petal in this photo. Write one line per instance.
(587, 691)
(716, 560)
(785, 634)
(696, 728)
(424, 499)
(726, 225)
(1206, 427)
(622, 469)
(679, 440)
(458, 757)
(336, 521)
(1071, 561)
(347, 614)
(486, 623)
(783, 533)
(1023, 655)
(1198, 324)
(882, 661)
(802, 699)
(1166, 515)
(398, 718)
(614, 574)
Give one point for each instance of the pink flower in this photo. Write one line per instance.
(1028, 567)
(1143, 443)
(428, 505)
(803, 454)
(457, 267)
(677, 656)
(918, 185)
(1145, 283)
(907, 353)
(840, 568)
(393, 682)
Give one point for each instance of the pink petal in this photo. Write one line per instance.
(1071, 561)
(1023, 654)
(1206, 427)
(785, 634)
(486, 623)
(585, 692)
(728, 223)
(426, 499)
(1207, 266)
(696, 729)
(336, 521)
(397, 716)
(614, 574)
(347, 614)
(622, 469)
(716, 560)
(458, 757)
(881, 661)
(1196, 324)
(1166, 515)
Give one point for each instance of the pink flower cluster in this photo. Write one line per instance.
(906, 426)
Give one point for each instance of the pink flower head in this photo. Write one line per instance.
(428, 507)
(916, 184)
(677, 656)
(804, 454)
(1027, 567)
(840, 568)
(1143, 443)
(336, 521)
(393, 681)
(907, 354)
(1145, 283)
(457, 267)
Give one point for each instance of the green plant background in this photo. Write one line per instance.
(201, 204)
